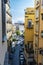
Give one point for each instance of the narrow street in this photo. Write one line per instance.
(16, 55)
(21, 32)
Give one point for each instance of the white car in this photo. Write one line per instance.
(13, 44)
(21, 56)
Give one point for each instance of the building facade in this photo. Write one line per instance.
(20, 27)
(8, 22)
(38, 32)
(29, 35)
(3, 41)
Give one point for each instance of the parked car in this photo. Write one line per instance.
(21, 50)
(21, 56)
(21, 60)
(22, 53)
(21, 63)
(18, 42)
(13, 47)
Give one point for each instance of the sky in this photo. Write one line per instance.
(18, 7)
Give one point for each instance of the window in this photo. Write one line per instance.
(37, 13)
(29, 23)
(41, 3)
(25, 12)
(42, 16)
(41, 33)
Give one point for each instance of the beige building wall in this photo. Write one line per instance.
(38, 34)
(8, 22)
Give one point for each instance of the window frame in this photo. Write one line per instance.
(29, 20)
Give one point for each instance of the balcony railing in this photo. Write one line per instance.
(30, 59)
(31, 56)
(30, 51)
(9, 13)
(31, 62)
(29, 27)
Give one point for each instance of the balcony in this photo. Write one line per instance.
(40, 64)
(8, 12)
(26, 47)
(37, 30)
(29, 27)
(30, 51)
(30, 59)
(37, 27)
(31, 56)
(37, 3)
(32, 62)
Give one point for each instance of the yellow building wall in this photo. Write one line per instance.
(29, 33)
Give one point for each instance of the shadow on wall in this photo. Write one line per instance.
(6, 59)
